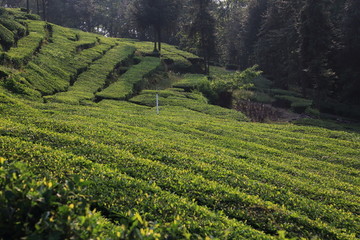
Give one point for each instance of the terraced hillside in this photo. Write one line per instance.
(74, 113)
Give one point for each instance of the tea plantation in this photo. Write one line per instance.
(84, 155)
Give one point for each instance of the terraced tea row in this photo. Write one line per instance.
(92, 80)
(184, 168)
(27, 46)
(126, 85)
(55, 60)
(103, 179)
(191, 101)
(57, 63)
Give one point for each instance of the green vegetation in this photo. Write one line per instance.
(219, 164)
(25, 49)
(80, 160)
(144, 48)
(126, 84)
(175, 59)
(228, 87)
(191, 82)
(19, 14)
(262, 97)
(85, 40)
(296, 103)
(18, 29)
(94, 79)
(193, 101)
(181, 61)
(175, 50)
(64, 55)
(6, 37)
(46, 209)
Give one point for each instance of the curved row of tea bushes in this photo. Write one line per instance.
(94, 79)
(125, 85)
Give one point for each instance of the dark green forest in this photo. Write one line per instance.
(308, 46)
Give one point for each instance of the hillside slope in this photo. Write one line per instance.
(72, 108)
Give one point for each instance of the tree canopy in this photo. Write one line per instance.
(155, 14)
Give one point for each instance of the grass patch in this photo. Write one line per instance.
(297, 104)
(191, 82)
(175, 59)
(262, 83)
(177, 51)
(144, 48)
(217, 71)
(279, 92)
(262, 97)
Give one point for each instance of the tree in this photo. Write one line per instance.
(12, 3)
(229, 17)
(249, 33)
(37, 7)
(276, 48)
(315, 35)
(202, 30)
(115, 22)
(44, 8)
(155, 14)
(349, 61)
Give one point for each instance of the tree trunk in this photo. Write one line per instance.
(89, 23)
(44, 9)
(304, 81)
(155, 41)
(28, 6)
(205, 52)
(37, 7)
(155, 46)
(159, 39)
(111, 29)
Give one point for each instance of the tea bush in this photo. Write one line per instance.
(6, 37)
(129, 82)
(34, 208)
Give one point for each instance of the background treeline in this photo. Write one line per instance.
(312, 46)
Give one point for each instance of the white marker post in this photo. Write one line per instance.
(157, 104)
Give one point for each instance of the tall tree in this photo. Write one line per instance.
(155, 14)
(202, 30)
(28, 6)
(315, 36)
(37, 7)
(44, 9)
(229, 17)
(276, 47)
(255, 11)
(350, 53)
